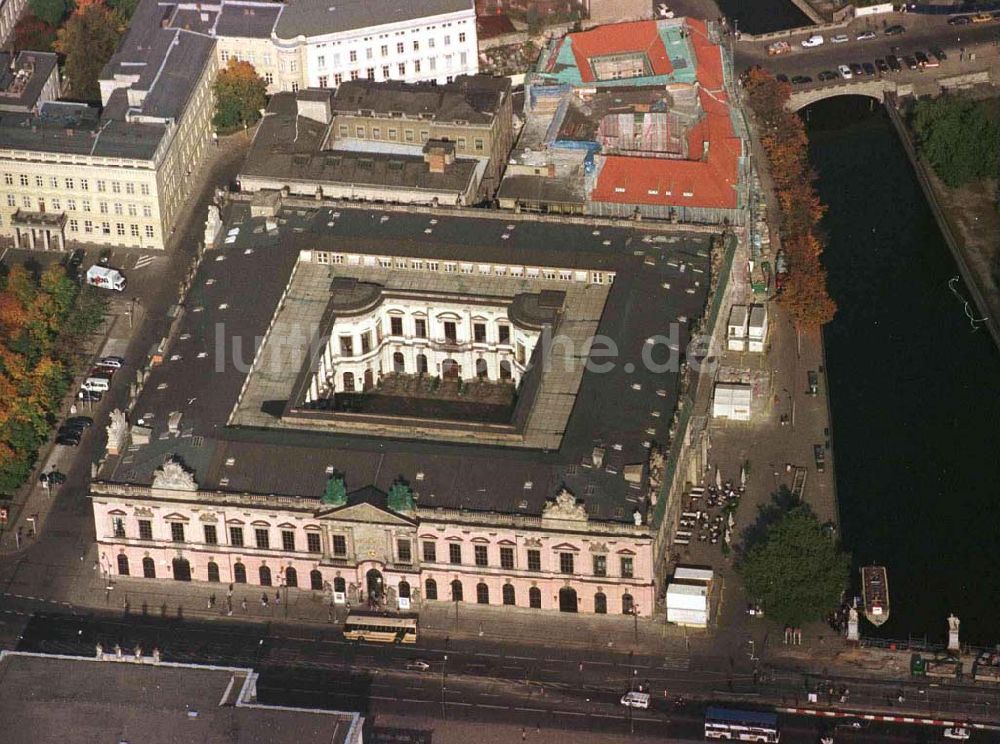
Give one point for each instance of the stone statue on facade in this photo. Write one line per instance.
(117, 430)
(213, 225)
(565, 507)
(173, 476)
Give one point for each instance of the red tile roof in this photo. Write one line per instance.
(705, 182)
(620, 38)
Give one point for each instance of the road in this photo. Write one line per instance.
(467, 679)
(922, 34)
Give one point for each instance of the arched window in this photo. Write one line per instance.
(316, 580)
(404, 589)
(508, 594)
(213, 571)
(431, 589)
(422, 364)
(291, 577)
(535, 598)
(340, 584)
(239, 573)
(265, 576)
(450, 369)
(482, 369)
(505, 371)
(148, 568)
(456, 591)
(122, 564)
(601, 603)
(628, 605)
(348, 382)
(482, 593)
(398, 362)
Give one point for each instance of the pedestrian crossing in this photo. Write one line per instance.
(143, 261)
(676, 662)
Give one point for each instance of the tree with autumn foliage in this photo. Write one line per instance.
(783, 137)
(43, 318)
(32, 33)
(240, 94)
(87, 40)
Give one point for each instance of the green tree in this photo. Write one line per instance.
(88, 39)
(959, 137)
(240, 94)
(50, 11)
(794, 568)
(124, 8)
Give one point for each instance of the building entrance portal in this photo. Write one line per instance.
(182, 569)
(375, 585)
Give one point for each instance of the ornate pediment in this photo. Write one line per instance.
(532, 542)
(362, 513)
(598, 547)
(209, 517)
(143, 511)
(565, 507)
(173, 476)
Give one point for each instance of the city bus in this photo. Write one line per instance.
(373, 626)
(741, 725)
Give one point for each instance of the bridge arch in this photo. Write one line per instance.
(868, 89)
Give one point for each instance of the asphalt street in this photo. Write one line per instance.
(466, 679)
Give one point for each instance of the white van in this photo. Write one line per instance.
(635, 700)
(96, 384)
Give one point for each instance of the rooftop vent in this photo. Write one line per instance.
(528, 485)
(597, 457)
(420, 475)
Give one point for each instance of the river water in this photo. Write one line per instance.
(914, 391)
(762, 16)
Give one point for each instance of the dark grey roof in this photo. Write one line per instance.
(316, 17)
(67, 699)
(21, 86)
(249, 21)
(287, 148)
(80, 136)
(475, 99)
(609, 411)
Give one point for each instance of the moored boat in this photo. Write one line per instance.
(875, 593)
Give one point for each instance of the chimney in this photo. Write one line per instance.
(439, 154)
(704, 149)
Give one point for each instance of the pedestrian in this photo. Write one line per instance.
(277, 596)
(244, 604)
(211, 601)
(263, 599)
(524, 734)
(230, 592)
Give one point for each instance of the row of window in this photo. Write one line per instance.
(288, 576)
(396, 328)
(55, 204)
(567, 561)
(384, 49)
(404, 553)
(450, 267)
(401, 69)
(567, 597)
(70, 184)
(104, 228)
(409, 135)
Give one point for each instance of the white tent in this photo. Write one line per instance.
(687, 604)
(732, 401)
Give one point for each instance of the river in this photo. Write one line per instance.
(914, 390)
(762, 16)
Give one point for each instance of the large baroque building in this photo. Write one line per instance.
(424, 419)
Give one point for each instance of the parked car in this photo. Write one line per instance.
(911, 62)
(845, 72)
(868, 67)
(635, 700)
(867, 35)
(938, 54)
(881, 65)
(781, 78)
(922, 60)
(417, 665)
(840, 38)
(68, 440)
(857, 69)
(827, 75)
(112, 361)
(959, 21)
(53, 478)
(813, 41)
(895, 30)
(893, 61)
(958, 733)
(75, 261)
(79, 422)
(73, 431)
(982, 18)
(801, 80)
(90, 396)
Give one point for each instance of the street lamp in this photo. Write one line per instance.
(635, 621)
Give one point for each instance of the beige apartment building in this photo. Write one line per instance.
(119, 175)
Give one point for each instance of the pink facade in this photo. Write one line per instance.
(560, 561)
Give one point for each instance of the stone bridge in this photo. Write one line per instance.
(876, 89)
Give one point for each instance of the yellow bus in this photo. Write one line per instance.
(373, 626)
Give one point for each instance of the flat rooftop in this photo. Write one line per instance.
(660, 286)
(77, 699)
(318, 17)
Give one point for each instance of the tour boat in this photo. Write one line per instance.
(875, 591)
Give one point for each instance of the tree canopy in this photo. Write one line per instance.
(959, 136)
(42, 319)
(240, 94)
(88, 39)
(33, 33)
(794, 569)
(783, 137)
(50, 11)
